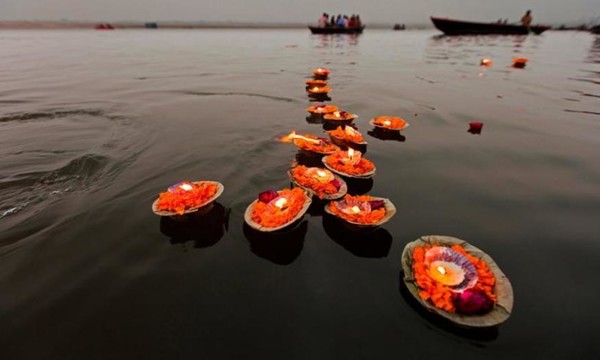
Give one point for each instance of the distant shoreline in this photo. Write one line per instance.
(52, 25)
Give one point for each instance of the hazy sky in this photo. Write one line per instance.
(299, 11)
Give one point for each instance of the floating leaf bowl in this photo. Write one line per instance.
(390, 210)
(319, 91)
(502, 289)
(376, 124)
(366, 175)
(322, 109)
(340, 193)
(313, 152)
(220, 189)
(345, 142)
(315, 82)
(253, 224)
(343, 120)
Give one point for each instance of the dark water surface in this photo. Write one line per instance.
(94, 124)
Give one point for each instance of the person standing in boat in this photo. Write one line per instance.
(323, 20)
(339, 21)
(527, 19)
(358, 22)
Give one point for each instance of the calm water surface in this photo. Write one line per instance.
(94, 124)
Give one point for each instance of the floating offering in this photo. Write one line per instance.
(343, 116)
(315, 90)
(519, 62)
(362, 210)
(349, 163)
(322, 109)
(315, 82)
(274, 210)
(319, 182)
(186, 197)
(456, 280)
(311, 143)
(347, 134)
(321, 72)
(387, 122)
(475, 127)
(486, 62)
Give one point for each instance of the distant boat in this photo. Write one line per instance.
(399, 27)
(104, 27)
(595, 29)
(336, 30)
(458, 27)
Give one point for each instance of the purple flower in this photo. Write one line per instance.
(336, 183)
(267, 196)
(472, 302)
(376, 204)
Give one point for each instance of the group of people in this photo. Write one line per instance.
(341, 21)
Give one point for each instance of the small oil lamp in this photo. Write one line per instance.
(321, 72)
(322, 109)
(281, 203)
(486, 62)
(186, 187)
(387, 123)
(350, 131)
(450, 268)
(353, 207)
(519, 62)
(352, 157)
(182, 186)
(319, 90)
(323, 176)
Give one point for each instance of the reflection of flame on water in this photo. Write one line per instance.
(292, 136)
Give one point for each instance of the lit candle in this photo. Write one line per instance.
(355, 209)
(387, 123)
(486, 62)
(336, 114)
(186, 187)
(446, 273)
(322, 176)
(281, 203)
(350, 131)
(351, 153)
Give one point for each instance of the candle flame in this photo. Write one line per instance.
(387, 123)
(441, 270)
(336, 114)
(355, 209)
(291, 136)
(280, 203)
(321, 173)
(186, 187)
(315, 88)
(351, 153)
(350, 131)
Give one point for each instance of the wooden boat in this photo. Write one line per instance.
(104, 27)
(336, 30)
(458, 27)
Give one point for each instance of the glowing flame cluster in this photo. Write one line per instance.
(292, 136)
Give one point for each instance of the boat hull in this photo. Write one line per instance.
(335, 30)
(457, 27)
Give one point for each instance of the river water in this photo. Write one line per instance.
(93, 125)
